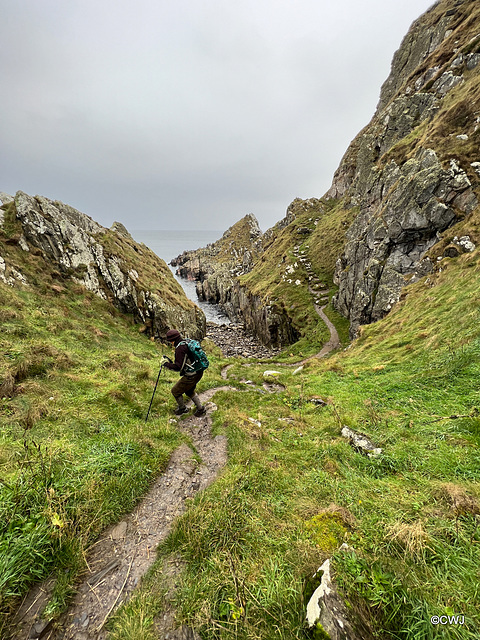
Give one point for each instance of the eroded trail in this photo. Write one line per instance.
(125, 552)
(334, 341)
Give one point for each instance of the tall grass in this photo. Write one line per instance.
(75, 451)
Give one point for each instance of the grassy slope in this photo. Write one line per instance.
(74, 440)
(76, 379)
(252, 540)
(322, 246)
(154, 275)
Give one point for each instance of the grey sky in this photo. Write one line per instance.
(164, 114)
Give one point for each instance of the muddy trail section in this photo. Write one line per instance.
(125, 552)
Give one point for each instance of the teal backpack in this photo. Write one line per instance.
(199, 361)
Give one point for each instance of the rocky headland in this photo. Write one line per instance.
(215, 268)
(107, 262)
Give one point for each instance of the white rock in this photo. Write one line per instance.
(465, 243)
(476, 166)
(23, 243)
(313, 606)
(359, 441)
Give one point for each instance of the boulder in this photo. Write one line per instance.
(326, 610)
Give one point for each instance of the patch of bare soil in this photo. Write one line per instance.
(124, 553)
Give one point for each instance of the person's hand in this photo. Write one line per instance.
(164, 360)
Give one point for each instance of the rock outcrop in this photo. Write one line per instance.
(404, 211)
(326, 610)
(218, 268)
(107, 262)
(215, 267)
(267, 320)
(412, 169)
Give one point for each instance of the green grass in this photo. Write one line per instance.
(276, 275)
(76, 379)
(76, 454)
(252, 541)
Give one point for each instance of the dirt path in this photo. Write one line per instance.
(124, 553)
(334, 341)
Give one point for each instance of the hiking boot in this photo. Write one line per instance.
(180, 411)
(200, 412)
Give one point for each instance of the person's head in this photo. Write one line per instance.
(172, 336)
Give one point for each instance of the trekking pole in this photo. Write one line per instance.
(158, 377)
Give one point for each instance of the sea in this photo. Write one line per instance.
(170, 244)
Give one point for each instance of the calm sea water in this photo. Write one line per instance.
(170, 244)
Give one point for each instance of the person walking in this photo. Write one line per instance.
(188, 381)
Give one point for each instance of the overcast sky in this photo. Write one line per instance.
(164, 114)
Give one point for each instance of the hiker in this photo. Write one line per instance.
(188, 381)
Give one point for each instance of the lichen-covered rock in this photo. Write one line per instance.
(4, 199)
(423, 38)
(109, 263)
(402, 170)
(404, 210)
(361, 443)
(121, 229)
(9, 275)
(326, 610)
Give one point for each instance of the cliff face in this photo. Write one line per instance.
(216, 267)
(413, 171)
(248, 274)
(107, 262)
(407, 179)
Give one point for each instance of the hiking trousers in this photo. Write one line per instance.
(186, 385)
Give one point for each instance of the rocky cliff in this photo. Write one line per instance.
(107, 262)
(248, 273)
(216, 267)
(404, 193)
(413, 171)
